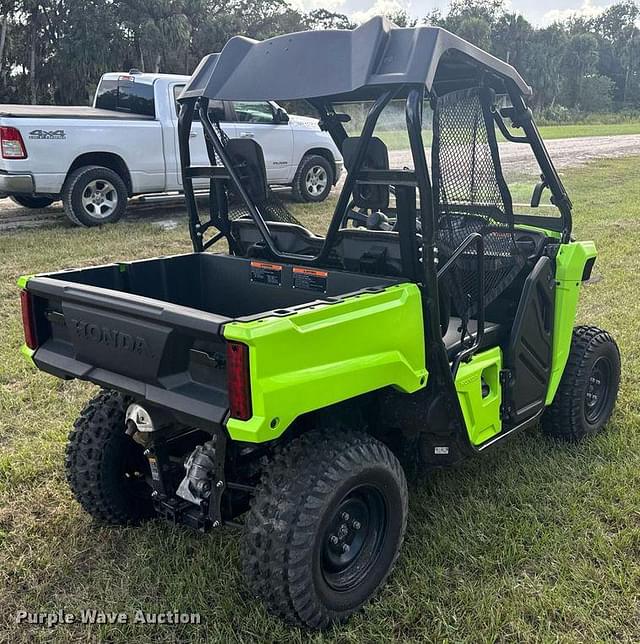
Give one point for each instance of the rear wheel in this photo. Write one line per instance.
(587, 393)
(94, 195)
(106, 469)
(313, 179)
(32, 201)
(325, 526)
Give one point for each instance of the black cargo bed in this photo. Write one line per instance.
(153, 328)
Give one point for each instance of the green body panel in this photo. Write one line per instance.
(27, 354)
(24, 349)
(554, 234)
(570, 263)
(328, 353)
(481, 415)
(23, 280)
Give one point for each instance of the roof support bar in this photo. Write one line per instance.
(560, 199)
(343, 200)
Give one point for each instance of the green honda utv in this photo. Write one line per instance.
(277, 387)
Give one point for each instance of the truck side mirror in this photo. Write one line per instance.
(281, 116)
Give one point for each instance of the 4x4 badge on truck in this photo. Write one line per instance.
(44, 134)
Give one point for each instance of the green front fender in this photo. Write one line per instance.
(327, 353)
(570, 264)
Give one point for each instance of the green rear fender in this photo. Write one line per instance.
(328, 353)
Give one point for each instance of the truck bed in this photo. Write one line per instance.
(67, 111)
(153, 328)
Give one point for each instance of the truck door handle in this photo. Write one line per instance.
(193, 134)
(247, 135)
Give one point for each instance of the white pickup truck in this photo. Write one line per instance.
(95, 158)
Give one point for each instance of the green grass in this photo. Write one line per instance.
(397, 140)
(536, 541)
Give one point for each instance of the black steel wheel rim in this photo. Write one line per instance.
(354, 538)
(135, 473)
(598, 391)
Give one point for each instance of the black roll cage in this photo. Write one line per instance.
(426, 273)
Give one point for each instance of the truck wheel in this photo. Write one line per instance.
(325, 526)
(105, 468)
(588, 389)
(94, 195)
(32, 201)
(313, 180)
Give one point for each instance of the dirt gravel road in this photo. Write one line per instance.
(517, 161)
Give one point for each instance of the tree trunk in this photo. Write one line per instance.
(32, 60)
(157, 65)
(141, 54)
(3, 38)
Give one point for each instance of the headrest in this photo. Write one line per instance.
(376, 158)
(248, 161)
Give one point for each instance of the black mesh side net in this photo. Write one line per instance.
(471, 196)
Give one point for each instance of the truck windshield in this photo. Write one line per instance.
(124, 95)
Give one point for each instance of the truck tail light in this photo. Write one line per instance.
(28, 320)
(238, 381)
(12, 143)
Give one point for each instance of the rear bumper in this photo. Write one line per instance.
(16, 184)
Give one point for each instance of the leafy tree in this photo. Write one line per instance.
(544, 69)
(580, 59)
(56, 50)
(596, 94)
(324, 19)
(511, 37)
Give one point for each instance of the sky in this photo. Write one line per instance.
(540, 12)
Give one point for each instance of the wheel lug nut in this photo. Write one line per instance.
(346, 547)
(345, 516)
(356, 525)
(334, 540)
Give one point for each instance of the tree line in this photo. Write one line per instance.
(54, 51)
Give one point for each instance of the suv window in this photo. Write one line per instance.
(126, 96)
(216, 108)
(252, 112)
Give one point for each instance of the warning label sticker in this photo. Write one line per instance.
(266, 273)
(310, 279)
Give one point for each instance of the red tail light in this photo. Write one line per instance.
(28, 320)
(238, 381)
(12, 143)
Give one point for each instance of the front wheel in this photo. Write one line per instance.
(589, 387)
(94, 195)
(325, 526)
(32, 201)
(313, 179)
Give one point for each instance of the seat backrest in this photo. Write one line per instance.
(377, 158)
(248, 160)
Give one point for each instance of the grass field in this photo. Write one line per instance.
(535, 542)
(397, 140)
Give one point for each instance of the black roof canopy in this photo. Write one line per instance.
(344, 65)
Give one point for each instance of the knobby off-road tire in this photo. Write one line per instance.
(320, 492)
(94, 181)
(313, 180)
(105, 468)
(32, 201)
(588, 389)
